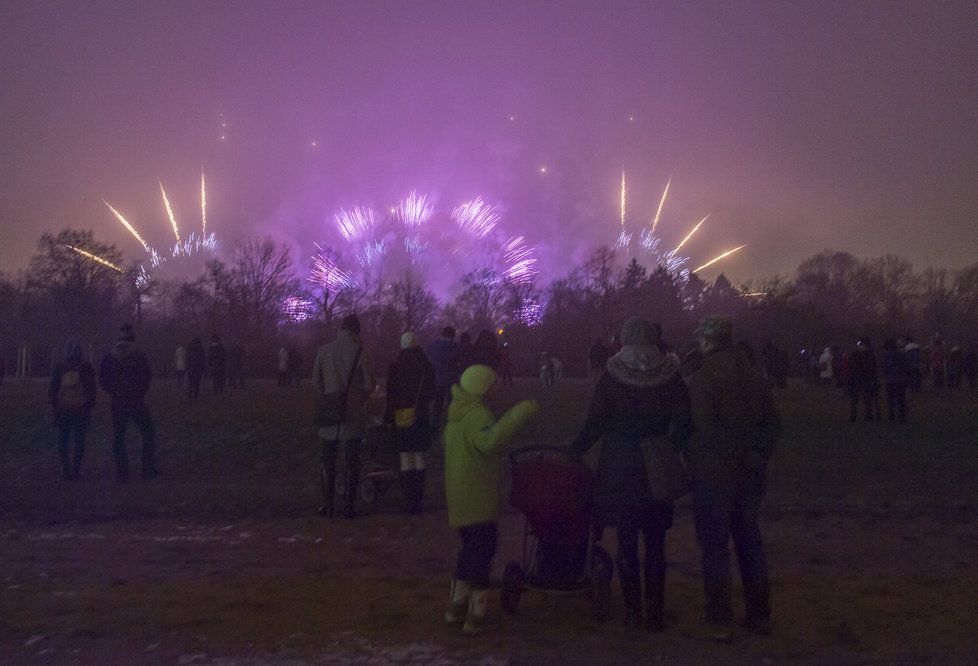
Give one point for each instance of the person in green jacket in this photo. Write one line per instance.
(474, 446)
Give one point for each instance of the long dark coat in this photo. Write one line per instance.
(411, 383)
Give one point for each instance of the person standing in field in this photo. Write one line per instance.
(641, 397)
(825, 362)
(343, 366)
(72, 395)
(474, 445)
(597, 358)
(180, 363)
(937, 363)
(864, 383)
(895, 377)
(735, 427)
(236, 359)
(196, 361)
(283, 366)
(410, 388)
(445, 358)
(915, 365)
(217, 363)
(970, 366)
(125, 375)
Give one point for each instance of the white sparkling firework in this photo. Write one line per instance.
(326, 272)
(520, 262)
(169, 213)
(476, 217)
(722, 256)
(354, 224)
(415, 210)
(662, 202)
(622, 204)
(94, 257)
(203, 206)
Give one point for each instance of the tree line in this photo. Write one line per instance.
(258, 298)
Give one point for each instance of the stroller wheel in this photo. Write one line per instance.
(512, 587)
(368, 491)
(600, 576)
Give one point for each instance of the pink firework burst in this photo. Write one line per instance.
(519, 260)
(356, 223)
(476, 217)
(326, 272)
(415, 210)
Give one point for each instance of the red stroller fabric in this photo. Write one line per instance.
(554, 491)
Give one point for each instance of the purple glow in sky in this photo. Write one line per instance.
(798, 126)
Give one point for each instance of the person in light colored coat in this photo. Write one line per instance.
(334, 366)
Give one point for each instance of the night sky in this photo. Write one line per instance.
(798, 126)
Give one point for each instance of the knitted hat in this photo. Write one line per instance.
(639, 332)
(478, 379)
(717, 330)
(408, 340)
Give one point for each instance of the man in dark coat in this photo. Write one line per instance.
(196, 362)
(863, 380)
(410, 386)
(445, 357)
(72, 394)
(236, 359)
(896, 377)
(735, 427)
(640, 397)
(125, 375)
(217, 363)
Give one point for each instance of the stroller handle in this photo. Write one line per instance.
(541, 451)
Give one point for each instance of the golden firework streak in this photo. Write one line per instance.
(662, 202)
(203, 205)
(716, 259)
(128, 226)
(169, 213)
(95, 258)
(688, 236)
(622, 197)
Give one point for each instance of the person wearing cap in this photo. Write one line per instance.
(410, 388)
(640, 397)
(735, 427)
(343, 365)
(125, 375)
(72, 395)
(474, 445)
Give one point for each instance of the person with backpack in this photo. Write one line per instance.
(125, 375)
(410, 389)
(343, 376)
(72, 394)
(735, 427)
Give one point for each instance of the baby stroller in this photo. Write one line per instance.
(378, 468)
(561, 555)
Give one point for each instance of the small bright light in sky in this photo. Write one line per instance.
(314, 143)
(512, 119)
(631, 119)
(223, 137)
(543, 169)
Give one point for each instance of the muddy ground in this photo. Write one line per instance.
(871, 531)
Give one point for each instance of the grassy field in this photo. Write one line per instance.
(871, 530)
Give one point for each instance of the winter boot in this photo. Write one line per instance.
(407, 489)
(352, 481)
(417, 490)
(327, 481)
(475, 621)
(458, 602)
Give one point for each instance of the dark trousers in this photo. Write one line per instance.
(351, 455)
(193, 385)
(442, 394)
(652, 522)
(71, 427)
(180, 375)
(916, 380)
(475, 557)
(870, 397)
(120, 422)
(737, 518)
(218, 383)
(896, 401)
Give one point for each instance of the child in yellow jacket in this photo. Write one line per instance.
(474, 445)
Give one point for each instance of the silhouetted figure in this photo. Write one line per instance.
(236, 360)
(863, 380)
(283, 366)
(915, 365)
(547, 374)
(838, 367)
(776, 364)
(344, 367)
(955, 367)
(597, 358)
(217, 364)
(410, 388)
(896, 377)
(295, 366)
(125, 375)
(640, 397)
(937, 363)
(506, 364)
(445, 357)
(825, 362)
(970, 366)
(180, 363)
(485, 351)
(734, 429)
(72, 394)
(196, 362)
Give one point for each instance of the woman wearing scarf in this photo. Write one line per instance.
(640, 397)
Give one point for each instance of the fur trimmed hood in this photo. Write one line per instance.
(643, 366)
